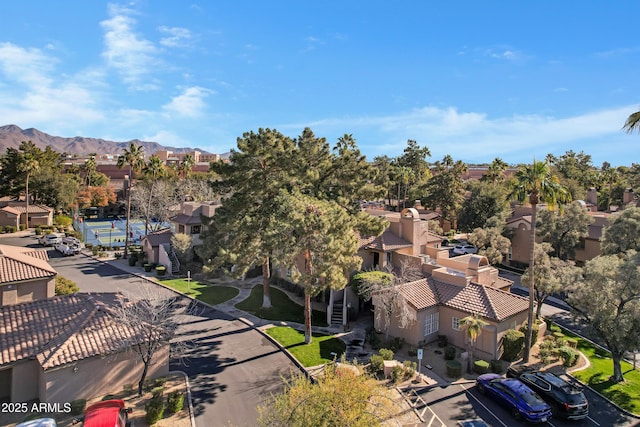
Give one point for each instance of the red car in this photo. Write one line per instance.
(110, 413)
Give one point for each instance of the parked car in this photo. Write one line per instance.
(40, 422)
(465, 249)
(476, 422)
(49, 240)
(73, 243)
(513, 394)
(110, 413)
(64, 249)
(566, 400)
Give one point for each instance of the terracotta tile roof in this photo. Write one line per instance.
(159, 237)
(17, 264)
(473, 298)
(19, 207)
(187, 219)
(61, 330)
(10, 210)
(387, 241)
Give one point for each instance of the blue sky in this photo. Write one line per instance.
(476, 80)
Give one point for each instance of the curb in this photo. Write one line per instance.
(569, 374)
(190, 403)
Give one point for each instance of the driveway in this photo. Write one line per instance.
(232, 368)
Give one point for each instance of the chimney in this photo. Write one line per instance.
(592, 196)
(628, 196)
(417, 204)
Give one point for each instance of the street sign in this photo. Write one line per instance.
(419, 354)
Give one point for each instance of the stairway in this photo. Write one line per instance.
(336, 314)
(175, 264)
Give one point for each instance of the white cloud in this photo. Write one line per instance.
(131, 55)
(473, 136)
(190, 103)
(26, 66)
(175, 36)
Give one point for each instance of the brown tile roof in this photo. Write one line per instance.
(159, 237)
(61, 330)
(387, 241)
(473, 298)
(10, 210)
(32, 208)
(187, 219)
(17, 264)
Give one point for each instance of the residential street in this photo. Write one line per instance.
(232, 368)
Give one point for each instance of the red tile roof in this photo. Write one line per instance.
(473, 298)
(62, 330)
(18, 264)
(20, 207)
(387, 241)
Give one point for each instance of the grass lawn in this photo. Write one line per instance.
(207, 293)
(625, 394)
(316, 353)
(282, 308)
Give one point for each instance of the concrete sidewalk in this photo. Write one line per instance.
(354, 337)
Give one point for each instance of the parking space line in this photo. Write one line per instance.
(483, 405)
(593, 421)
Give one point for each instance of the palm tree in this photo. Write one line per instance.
(632, 123)
(495, 172)
(90, 168)
(186, 166)
(473, 326)
(28, 166)
(536, 183)
(134, 158)
(153, 170)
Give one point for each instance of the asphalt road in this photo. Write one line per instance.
(232, 368)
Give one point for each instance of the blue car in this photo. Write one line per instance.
(513, 394)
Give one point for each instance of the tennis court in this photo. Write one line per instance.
(112, 232)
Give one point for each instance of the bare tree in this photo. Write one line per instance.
(387, 295)
(154, 316)
(158, 202)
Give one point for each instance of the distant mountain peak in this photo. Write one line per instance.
(11, 136)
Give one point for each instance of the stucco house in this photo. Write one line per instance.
(14, 214)
(157, 246)
(453, 288)
(25, 275)
(189, 220)
(68, 347)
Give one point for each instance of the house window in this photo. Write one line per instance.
(431, 324)
(455, 323)
(181, 228)
(389, 258)
(509, 254)
(195, 229)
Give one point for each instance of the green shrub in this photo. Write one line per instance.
(376, 364)
(534, 332)
(156, 392)
(568, 355)
(63, 221)
(65, 286)
(572, 342)
(412, 351)
(38, 230)
(132, 260)
(78, 406)
(454, 369)
(11, 228)
(496, 366)
(512, 344)
(386, 353)
(373, 338)
(554, 328)
(175, 402)
(154, 410)
(443, 341)
(449, 353)
(161, 270)
(397, 374)
(545, 355)
(95, 250)
(22, 227)
(481, 366)
(396, 344)
(147, 267)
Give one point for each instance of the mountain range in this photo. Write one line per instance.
(11, 136)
